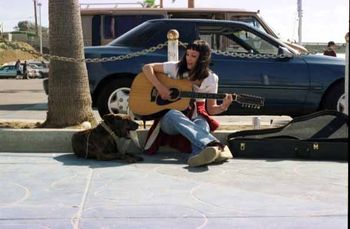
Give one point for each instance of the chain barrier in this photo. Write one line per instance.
(140, 53)
(87, 60)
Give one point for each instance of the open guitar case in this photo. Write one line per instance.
(318, 136)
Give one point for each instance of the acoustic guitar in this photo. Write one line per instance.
(145, 101)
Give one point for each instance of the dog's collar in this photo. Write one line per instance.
(116, 138)
(110, 131)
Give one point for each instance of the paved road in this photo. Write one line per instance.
(26, 99)
(22, 99)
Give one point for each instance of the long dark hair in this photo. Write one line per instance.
(201, 69)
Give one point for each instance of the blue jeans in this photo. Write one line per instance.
(197, 131)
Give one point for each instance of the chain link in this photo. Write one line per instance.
(140, 53)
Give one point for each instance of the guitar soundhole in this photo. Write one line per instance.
(174, 97)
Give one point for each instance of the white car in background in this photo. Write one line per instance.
(33, 71)
(42, 67)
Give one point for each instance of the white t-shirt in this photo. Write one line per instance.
(209, 84)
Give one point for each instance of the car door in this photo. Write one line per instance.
(8, 71)
(283, 82)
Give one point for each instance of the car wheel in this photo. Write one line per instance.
(114, 98)
(335, 98)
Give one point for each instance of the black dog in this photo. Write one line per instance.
(102, 142)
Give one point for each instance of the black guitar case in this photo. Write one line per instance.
(318, 136)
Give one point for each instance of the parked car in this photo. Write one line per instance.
(42, 67)
(8, 71)
(33, 71)
(291, 84)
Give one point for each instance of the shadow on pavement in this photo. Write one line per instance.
(158, 159)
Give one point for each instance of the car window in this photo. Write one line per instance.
(236, 40)
(137, 37)
(114, 26)
(7, 68)
(151, 34)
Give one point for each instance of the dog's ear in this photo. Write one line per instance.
(107, 116)
(110, 117)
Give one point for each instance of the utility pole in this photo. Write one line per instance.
(190, 3)
(36, 22)
(40, 30)
(300, 15)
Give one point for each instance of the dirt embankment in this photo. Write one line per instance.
(8, 54)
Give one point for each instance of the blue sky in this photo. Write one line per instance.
(323, 20)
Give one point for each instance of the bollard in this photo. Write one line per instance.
(173, 45)
(256, 122)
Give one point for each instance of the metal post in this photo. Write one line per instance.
(190, 3)
(36, 21)
(346, 105)
(40, 30)
(173, 45)
(300, 15)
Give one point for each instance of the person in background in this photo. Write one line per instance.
(18, 69)
(189, 132)
(25, 72)
(330, 50)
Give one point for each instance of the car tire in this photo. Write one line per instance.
(335, 98)
(114, 97)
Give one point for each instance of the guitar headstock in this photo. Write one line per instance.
(250, 101)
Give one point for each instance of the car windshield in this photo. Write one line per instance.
(236, 39)
(249, 20)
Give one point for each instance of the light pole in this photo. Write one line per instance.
(36, 18)
(300, 15)
(40, 30)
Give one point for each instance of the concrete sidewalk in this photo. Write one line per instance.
(44, 185)
(57, 190)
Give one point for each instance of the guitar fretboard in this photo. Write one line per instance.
(249, 100)
(198, 95)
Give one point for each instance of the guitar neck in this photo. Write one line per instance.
(199, 95)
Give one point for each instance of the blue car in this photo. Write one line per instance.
(8, 71)
(246, 60)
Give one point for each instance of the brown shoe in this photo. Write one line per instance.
(224, 155)
(206, 156)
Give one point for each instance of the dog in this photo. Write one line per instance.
(104, 141)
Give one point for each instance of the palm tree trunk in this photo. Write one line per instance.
(69, 101)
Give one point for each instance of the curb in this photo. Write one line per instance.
(59, 140)
(36, 140)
